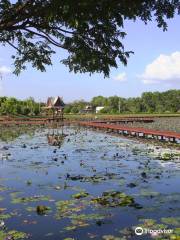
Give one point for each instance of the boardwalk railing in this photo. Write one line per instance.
(139, 132)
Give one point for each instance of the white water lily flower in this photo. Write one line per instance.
(2, 223)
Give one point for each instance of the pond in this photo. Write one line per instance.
(90, 186)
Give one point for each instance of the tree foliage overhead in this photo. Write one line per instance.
(91, 31)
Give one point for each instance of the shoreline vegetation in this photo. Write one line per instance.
(149, 103)
(162, 107)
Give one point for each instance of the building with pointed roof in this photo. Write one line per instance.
(55, 102)
(54, 107)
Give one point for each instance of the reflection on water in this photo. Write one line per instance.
(13, 132)
(95, 186)
(55, 139)
(56, 136)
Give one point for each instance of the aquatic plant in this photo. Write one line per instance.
(13, 234)
(80, 195)
(113, 199)
(35, 198)
(175, 221)
(41, 209)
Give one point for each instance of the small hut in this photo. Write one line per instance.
(87, 109)
(54, 107)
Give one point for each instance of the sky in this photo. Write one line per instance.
(155, 66)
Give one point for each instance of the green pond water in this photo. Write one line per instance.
(91, 186)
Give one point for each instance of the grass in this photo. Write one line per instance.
(163, 123)
(93, 116)
(114, 116)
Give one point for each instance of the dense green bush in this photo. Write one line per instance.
(14, 106)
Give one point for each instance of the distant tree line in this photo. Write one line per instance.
(13, 106)
(149, 102)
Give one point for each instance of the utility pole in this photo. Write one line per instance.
(39, 106)
(119, 105)
(0, 80)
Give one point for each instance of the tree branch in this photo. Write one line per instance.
(12, 45)
(46, 36)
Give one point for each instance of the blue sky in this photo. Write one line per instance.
(155, 66)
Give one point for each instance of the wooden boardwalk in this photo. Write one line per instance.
(29, 121)
(10, 123)
(136, 132)
(126, 120)
(109, 125)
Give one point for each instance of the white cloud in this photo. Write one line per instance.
(121, 77)
(4, 70)
(164, 69)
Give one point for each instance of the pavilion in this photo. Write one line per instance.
(54, 107)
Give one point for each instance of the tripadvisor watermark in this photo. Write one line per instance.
(153, 232)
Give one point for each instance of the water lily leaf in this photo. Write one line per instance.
(31, 199)
(70, 228)
(111, 237)
(171, 221)
(80, 195)
(17, 235)
(4, 216)
(41, 209)
(148, 222)
(148, 193)
(113, 199)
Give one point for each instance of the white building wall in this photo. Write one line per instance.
(98, 109)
